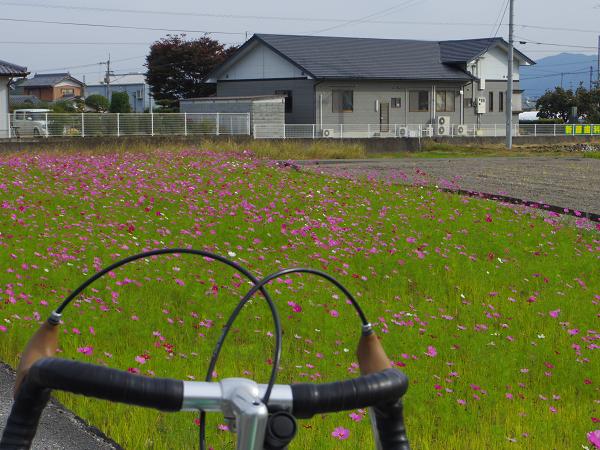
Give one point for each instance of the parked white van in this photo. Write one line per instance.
(29, 122)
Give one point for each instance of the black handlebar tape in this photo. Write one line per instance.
(24, 417)
(390, 426)
(87, 379)
(378, 388)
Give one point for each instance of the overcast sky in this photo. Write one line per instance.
(49, 47)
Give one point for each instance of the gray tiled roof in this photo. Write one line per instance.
(47, 79)
(10, 69)
(466, 50)
(362, 58)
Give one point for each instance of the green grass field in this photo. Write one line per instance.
(509, 299)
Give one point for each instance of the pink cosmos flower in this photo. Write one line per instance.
(222, 427)
(573, 332)
(431, 351)
(554, 314)
(334, 313)
(340, 433)
(140, 359)
(594, 438)
(356, 417)
(86, 350)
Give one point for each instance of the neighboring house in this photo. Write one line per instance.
(7, 72)
(134, 84)
(337, 80)
(51, 87)
(20, 100)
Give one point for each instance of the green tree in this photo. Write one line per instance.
(119, 102)
(556, 104)
(177, 67)
(97, 102)
(588, 104)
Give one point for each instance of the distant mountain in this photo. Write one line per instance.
(546, 74)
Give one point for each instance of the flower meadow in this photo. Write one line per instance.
(491, 310)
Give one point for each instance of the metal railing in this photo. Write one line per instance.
(353, 131)
(131, 124)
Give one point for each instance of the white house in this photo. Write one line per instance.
(7, 72)
(352, 81)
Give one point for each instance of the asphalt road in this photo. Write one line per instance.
(570, 182)
(59, 428)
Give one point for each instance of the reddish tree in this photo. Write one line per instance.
(176, 66)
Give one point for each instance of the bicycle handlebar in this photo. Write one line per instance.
(382, 390)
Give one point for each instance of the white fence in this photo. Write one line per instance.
(34, 124)
(349, 131)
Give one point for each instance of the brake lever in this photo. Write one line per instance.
(370, 353)
(43, 344)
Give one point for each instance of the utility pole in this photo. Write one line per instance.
(598, 73)
(562, 76)
(509, 90)
(591, 77)
(107, 77)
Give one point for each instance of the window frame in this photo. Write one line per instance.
(418, 93)
(447, 94)
(501, 102)
(342, 93)
(396, 103)
(491, 102)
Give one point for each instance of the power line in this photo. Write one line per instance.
(553, 44)
(89, 43)
(406, 3)
(124, 27)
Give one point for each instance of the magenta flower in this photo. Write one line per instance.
(431, 351)
(334, 313)
(86, 350)
(340, 433)
(554, 314)
(594, 438)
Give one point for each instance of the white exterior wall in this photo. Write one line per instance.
(260, 63)
(493, 66)
(4, 107)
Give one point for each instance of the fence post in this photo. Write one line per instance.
(218, 124)
(248, 123)
(313, 130)
(82, 125)
(151, 124)
(47, 127)
(254, 131)
(284, 134)
(118, 124)
(554, 129)
(10, 127)
(341, 131)
(185, 124)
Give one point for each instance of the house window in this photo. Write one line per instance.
(343, 101)
(501, 102)
(444, 101)
(419, 101)
(288, 100)
(68, 92)
(396, 102)
(491, 102)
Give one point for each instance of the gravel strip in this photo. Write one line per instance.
(570, 182)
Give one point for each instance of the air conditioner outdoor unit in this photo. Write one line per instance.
(328, 132)
(481, 105)
(402, 132)
(443, 121)
(442, 130)
(428, 131)
(462, 130)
